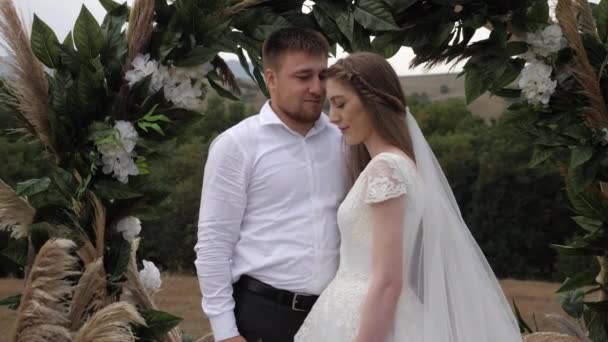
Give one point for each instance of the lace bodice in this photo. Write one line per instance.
(387, 176)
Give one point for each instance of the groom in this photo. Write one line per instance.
(267, 234)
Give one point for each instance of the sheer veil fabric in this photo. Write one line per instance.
(457, 296)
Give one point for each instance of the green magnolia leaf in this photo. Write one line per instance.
(17, 251)
(33, 186)
(221, 91)
(197, 56)
(570, 250)
(11, 302)
(388, 44)
(580, 155)
(595, 321)
(572, 302)
(602, 20)
(360, 40)
(110, 5)
(111, 190)
(45, 44)
(244, 63)
(159, 323)
(582, 170)
(579, 280)
(88, 35)
(346, 24)
(40, 233)
(374, 15)
(540, 155)
(523, 326)
(260, 81)
(400, 5)
(475, 84)
(330, 28)
(534, 18)
(587, 224)
(64, 182)
(117, 257)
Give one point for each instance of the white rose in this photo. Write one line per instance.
(130, 227)
(150, 277)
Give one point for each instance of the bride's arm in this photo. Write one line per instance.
(378, 310)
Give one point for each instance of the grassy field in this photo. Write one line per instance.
(181, 297)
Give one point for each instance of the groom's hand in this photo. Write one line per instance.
(235, 339)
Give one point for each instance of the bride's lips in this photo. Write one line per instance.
(343, 129)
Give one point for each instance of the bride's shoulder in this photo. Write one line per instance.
(385, 161)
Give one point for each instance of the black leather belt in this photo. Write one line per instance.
(296, 301)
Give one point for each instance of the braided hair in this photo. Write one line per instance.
(379, 89)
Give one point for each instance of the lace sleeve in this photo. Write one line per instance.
(384, 180)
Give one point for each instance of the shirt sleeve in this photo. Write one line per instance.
(223, 203)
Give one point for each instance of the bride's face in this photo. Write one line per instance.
(348, 112)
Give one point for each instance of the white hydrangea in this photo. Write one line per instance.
(130, 227)
(177, 83)
(545, 42)
(142, 68)
(150, 277)
(184, 94)
(535, 82)
(118, 159)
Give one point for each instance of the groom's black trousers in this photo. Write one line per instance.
(259, 318)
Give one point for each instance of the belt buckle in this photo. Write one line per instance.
(294, 302)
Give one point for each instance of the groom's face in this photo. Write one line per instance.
(297, 85)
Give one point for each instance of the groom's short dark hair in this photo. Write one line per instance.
(293, 39)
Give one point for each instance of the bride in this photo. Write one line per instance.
(410, 271)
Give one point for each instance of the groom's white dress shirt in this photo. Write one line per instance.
(268, 209)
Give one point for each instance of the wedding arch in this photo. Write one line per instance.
(104, 98)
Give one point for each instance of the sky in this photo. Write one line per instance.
(61, 16)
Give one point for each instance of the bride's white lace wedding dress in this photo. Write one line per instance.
(449, 293)
(335, 317)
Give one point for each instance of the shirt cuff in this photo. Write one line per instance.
(224, 326)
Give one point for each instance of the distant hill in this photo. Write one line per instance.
(444, 86)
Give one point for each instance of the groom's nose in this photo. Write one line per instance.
(317, 86)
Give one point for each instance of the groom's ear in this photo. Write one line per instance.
(271, 78)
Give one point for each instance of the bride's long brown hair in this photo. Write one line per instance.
(378, 87)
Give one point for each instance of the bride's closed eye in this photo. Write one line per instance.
(339, 105)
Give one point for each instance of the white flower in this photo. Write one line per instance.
(121, 166)
(536, 83)
(118, 159)
(546, 41)
(150, 277)
(142, 68)
(130, 227)
(128, 134)
(604, 136)
(175, 82)
(159, 78)
(184, 94)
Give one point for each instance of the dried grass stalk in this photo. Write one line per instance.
(595, 113)
(43, 311)
(89, 295)
(111, 324)
(16, 214)
(27, 82)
